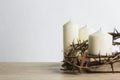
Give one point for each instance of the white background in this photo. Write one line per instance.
(31, 30)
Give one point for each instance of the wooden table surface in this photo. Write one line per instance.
(46, 71)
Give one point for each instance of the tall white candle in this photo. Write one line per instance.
(100, 42)
(84, 33)
(70, 34)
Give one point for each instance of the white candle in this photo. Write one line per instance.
(84, 33)
(100, 42)
(70, 34)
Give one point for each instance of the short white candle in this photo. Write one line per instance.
(100, 42)
(84, 33)
(70, 34)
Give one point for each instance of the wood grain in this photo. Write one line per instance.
(46, 71)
